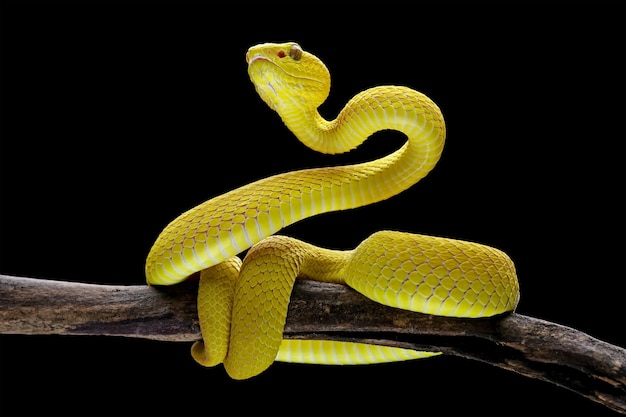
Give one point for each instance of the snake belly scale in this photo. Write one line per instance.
(242, 305)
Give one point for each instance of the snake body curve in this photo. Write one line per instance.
(242, 305)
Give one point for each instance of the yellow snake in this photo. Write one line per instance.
(242, 306)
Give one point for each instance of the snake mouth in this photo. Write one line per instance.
(262, 58)
(259, 58)
(255, 57)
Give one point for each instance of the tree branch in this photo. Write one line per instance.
(525, 345)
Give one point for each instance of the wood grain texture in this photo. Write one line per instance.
(535, 348)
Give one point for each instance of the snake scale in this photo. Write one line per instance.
(242, 305)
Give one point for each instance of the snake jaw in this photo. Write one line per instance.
(274, 83)
(262, 80)
(255, 57)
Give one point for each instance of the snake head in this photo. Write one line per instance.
(285, 75)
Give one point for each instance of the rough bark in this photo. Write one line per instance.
(522, 344)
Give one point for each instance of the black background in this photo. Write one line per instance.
(118, 116)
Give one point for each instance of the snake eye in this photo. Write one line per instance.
(295, 52)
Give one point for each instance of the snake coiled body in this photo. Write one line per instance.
(242, 305)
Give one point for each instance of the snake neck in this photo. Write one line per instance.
(379, 108)
(373, 110)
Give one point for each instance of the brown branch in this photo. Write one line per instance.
(525, 345)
